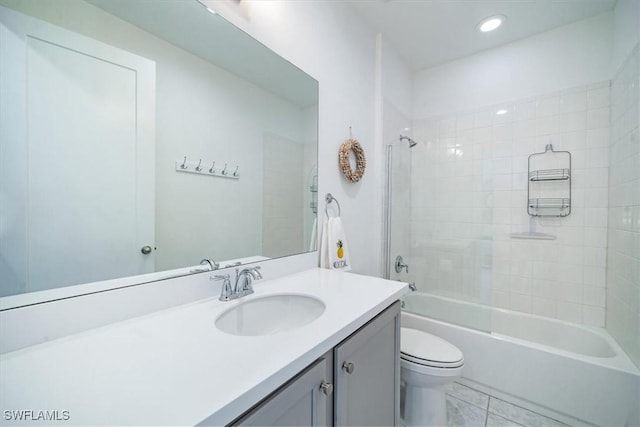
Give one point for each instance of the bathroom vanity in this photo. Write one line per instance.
(354, 384)
(176, 367)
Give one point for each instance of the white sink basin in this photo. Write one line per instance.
(270, 315)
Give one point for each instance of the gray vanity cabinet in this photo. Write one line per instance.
(367, 373)
(304, 401)
(357, 383)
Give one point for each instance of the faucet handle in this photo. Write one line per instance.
(225, 292)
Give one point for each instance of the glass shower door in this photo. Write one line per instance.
(447, 256)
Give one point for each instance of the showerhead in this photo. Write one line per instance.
(412, 143)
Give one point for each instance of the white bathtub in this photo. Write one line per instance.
(571, 369)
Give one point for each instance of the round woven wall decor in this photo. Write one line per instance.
(361, 161)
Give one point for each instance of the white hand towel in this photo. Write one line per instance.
(337, 247)
(323, 252)
(313, 241)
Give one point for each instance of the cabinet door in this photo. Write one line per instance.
(367, 373)
(300, 402)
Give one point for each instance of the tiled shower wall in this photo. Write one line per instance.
(623, 273)
(469, 191)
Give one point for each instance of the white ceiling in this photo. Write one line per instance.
(426, 33)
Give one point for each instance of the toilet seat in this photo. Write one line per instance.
(424, 349)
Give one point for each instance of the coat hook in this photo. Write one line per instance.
(184, 163)
(235, 173)
(224, 171)
(198, 168)
(350, 133)
(211, 168)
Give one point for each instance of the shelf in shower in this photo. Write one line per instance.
(550, 206)
(549, 175)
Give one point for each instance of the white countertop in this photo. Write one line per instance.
(174, 367)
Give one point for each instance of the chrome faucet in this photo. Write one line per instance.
(212, 264)
(242, 284)
(243, 280)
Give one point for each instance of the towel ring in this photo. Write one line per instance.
(329, 198)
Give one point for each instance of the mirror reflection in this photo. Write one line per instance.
(144, 136)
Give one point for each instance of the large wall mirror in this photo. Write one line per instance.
(141, 136)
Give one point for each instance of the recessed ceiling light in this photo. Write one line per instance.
(501, 112)
(491, 23)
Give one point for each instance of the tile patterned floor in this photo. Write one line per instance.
(470, 408)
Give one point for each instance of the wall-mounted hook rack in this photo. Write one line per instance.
(184, 165)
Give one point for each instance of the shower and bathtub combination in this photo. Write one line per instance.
(537, 301)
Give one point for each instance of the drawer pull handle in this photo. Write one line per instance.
(348, 367)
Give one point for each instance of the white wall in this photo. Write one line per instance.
(569, 56)
(328, 41)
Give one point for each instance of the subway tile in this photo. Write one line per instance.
(596, 178)
(596, 257)
(573, 122)
(447, 126)
(593, 316)
(524, 129)
(525, 110)
(548, 106)
(598, 85)
(599, 97)
(594, 295)
(597, 157)
(464, 122)
(502, 166)
(569, 312)
(573, 101)
(597, 138)
(520, 302)
(574, 140)
(570, 293)
(543, 306)
(595, 236)
(482, 119)
(598, 118)
(596, 217)
(502, 132)
(548, 125)
(500, 299)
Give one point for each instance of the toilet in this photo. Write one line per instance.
(427, 363)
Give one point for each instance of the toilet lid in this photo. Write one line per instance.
(426, 349)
